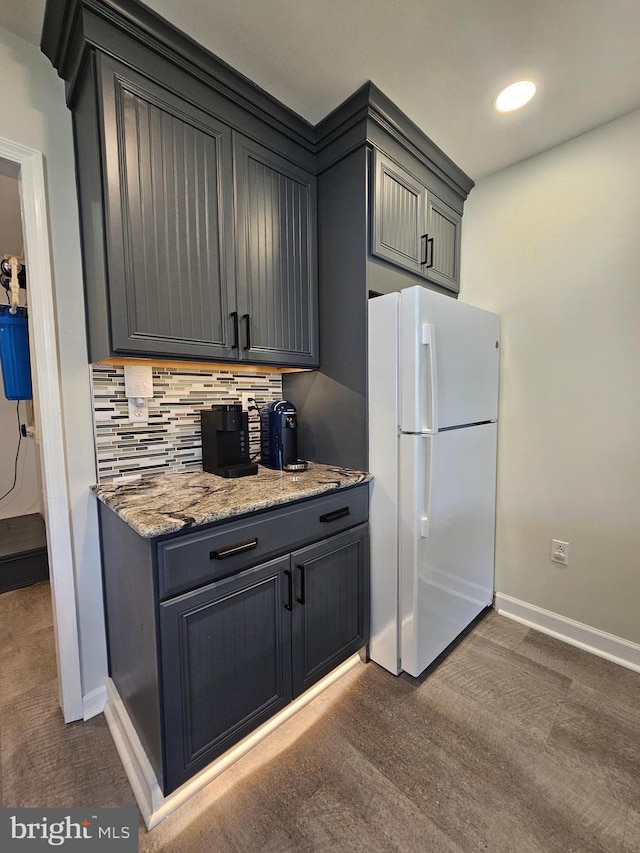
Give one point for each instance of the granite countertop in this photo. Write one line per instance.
(155, 506)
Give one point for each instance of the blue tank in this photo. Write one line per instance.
(14, 354)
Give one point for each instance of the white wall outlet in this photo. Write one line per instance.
(559, 552)
(139, 411)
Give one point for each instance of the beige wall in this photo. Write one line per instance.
(34, 114)
(553, 245)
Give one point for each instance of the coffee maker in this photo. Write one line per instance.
(279, 437)
(225, 441)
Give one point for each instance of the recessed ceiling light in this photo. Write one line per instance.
(514, 96)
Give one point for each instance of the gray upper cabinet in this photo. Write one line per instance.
(443, 230)
(196, 191)
(168, 179)
(398, 216)
(412, 228)
(210, 236)
(276, 257)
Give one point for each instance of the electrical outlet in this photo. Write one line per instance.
(139, 414)
(559, 552)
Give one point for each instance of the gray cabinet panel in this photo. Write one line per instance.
(398, 215)
(225, 664)
(330, 610)
(411, 227)
(169, 223)
(190, 560)
(276, 262)
(339, 387)
(130, 610)
(443, 225)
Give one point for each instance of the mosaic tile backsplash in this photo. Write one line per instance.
(171, 440)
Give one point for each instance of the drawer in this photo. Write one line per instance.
(197, 558)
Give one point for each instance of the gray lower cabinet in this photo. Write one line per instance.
(226, 664)
(237, 651)
(329, 607)
(411, 227)
(212, 631)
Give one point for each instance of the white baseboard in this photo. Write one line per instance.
(153, 805)
(93, 703)
(616, 649)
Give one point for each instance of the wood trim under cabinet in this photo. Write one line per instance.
(229, 367)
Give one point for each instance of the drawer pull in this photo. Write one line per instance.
(232, 550)
(303, 584)
(336, 514)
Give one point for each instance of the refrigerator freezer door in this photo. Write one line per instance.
(447, 520)
(448, 362)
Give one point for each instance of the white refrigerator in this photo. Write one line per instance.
(433, 410)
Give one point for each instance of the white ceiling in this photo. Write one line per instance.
(440, 61)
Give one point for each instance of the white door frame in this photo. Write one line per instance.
(48, 412)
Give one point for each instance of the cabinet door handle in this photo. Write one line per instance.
(430, 264)
(236, 335)
(289, 604)
(232, 550)
(424, 237)
(247, 320)
(335, 515)
(303, 584)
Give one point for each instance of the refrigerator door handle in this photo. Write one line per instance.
(429, 341)
(423, 486)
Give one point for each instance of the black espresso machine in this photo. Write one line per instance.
(225, 441)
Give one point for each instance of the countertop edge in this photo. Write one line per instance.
(150, 523)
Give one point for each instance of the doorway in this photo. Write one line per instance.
(26, 166)
(23, 545)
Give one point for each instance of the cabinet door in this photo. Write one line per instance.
(226, 665)
(399, 209)
(169, 220)
(443, 228)
(276, 257)
(330, 610)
